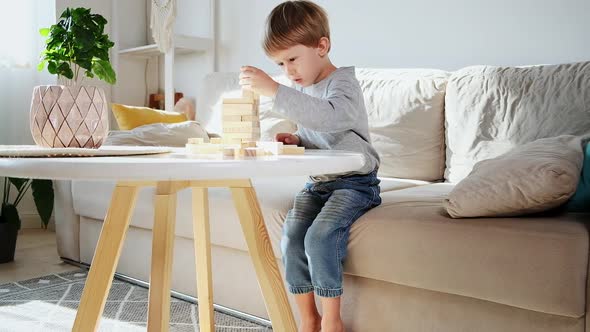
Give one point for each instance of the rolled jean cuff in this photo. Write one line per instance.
(328, 292)
(300, 289)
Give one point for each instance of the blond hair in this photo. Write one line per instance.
(295, 22)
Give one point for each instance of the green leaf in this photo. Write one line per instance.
(41, 65)
(18, 182)
(10, 214)
(43, 197)
(66, 13)
(65, 70)
(104, 71)
(44, 32)
(52, 67)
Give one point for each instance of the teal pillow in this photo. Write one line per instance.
(580, 202)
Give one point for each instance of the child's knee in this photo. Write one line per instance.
(320, 237)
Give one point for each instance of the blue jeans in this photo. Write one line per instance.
(316, 230)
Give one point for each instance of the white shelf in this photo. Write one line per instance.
(182, 45)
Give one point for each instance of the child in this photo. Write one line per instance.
(327, 105)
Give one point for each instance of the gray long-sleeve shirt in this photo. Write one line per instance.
(330, 115)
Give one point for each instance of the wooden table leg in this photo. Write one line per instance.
(162, 249)
(265, 264)
(202, 240)
(106, 256)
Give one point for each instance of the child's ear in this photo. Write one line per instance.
(323, 46)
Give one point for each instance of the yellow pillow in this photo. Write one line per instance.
(129, 117)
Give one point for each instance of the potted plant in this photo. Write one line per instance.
(10, 222)
(73, 114)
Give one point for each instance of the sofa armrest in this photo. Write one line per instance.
(67, 222)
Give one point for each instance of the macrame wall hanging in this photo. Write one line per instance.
(162, 23)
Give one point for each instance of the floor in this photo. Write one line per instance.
(36, 255)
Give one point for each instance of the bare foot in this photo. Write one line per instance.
(332, 325)
(311, 325)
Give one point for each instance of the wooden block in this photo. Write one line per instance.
(240, 109)
(215, 140)
(250, 118)
(202, 148)
(293, 149)
(232, 118)
(196, 140)
(253, 152)
(241, 124)
(274, 148)
(248, 144)
(236, 101)
(230, 151)
(232, 141)
(243, 136)
(241, 118)
(241, 130)
(248, 94)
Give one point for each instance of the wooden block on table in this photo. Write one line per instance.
(248, 144)
(274, 148)
(206, 148)
(230, 151)
(196, 140)
(240, 118)
(251, 95)
(241, 130)
(232, 141)
(248, 97)
(240, 109)
(237, 101)
(293, 149)
(243, 136)
(241, 124)
(250, 118)
(253, 152)
(215, 140)
(231, 118)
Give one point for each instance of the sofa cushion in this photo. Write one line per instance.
(538, 263)
(535, 177)
(129, 117)
(158, 134)
(406, 120)
(91, 199)
(489, 110)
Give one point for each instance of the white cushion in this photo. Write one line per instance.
(489, 110)
(158, 134)
(406, 120)
(532, 178)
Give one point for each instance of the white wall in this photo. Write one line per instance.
(428, 33)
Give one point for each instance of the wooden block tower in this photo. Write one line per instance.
(241, 121)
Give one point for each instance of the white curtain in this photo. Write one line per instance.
(20, 47)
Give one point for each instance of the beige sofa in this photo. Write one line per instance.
(410, 267)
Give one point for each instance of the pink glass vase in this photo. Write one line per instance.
(69, 116)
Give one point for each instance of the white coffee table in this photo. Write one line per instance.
(170, 173)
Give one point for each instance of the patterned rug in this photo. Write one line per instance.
(49, 303)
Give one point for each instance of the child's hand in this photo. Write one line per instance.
(252, 78)
(288, 139)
